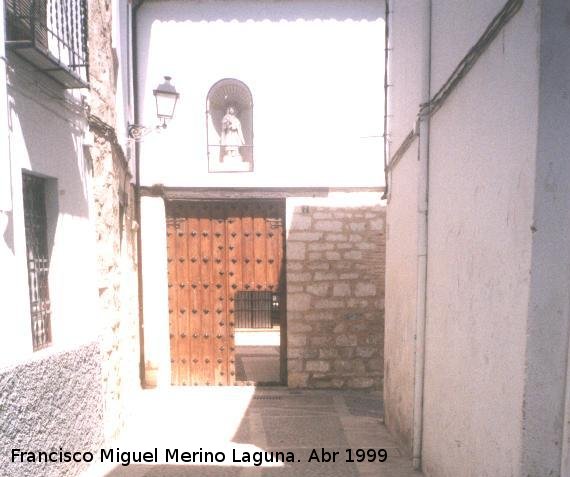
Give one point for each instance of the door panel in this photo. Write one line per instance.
(217, 251)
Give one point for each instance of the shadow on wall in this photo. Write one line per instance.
(7, 228)
(51, 139)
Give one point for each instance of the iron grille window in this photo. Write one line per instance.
(38, 259)
(256, 309)
(52, 35)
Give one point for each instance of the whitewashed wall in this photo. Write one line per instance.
(401, 292)
(406, 24)
(121, 43)
(405, 72)
(6, 214)
(547, 347)
(53, 395)
(45, 136)
(498, 285)
(481, 183)
(316, 72)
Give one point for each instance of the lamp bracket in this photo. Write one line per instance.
(137, 132)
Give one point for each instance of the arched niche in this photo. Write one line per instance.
(229, 123)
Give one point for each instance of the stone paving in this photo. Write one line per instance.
(245, 420)
(258, 364)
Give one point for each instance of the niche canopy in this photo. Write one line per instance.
(230, 91)
(229, 112)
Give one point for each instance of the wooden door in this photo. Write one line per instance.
(217, 251)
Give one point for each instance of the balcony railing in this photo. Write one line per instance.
(52, 35)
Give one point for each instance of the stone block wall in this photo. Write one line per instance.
(335, 294)
(116, 229)
(117, 281)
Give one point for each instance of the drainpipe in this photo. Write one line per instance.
(135, 86)
(423, 191)
(386, 63)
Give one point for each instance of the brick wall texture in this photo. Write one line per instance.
(335, 297)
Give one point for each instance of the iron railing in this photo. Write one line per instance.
(52, 35)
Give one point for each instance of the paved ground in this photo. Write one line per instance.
(258, 364)
(257, 356)
(246, 420)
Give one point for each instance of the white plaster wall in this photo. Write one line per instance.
(549, 304)
(456, 28)
(405, 76)
(5, 186)
(316, 72)
(481, 194)
(155, 291)
(406, 24)
(401, 298)
(404, 71)
(45, 137)
(494, 380)
(121, 47)
(50, 397)
(6, 215)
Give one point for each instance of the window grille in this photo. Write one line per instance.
(52, 35)
(256, 309)
(38, 259)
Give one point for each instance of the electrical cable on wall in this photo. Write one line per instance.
(469, 60)
(460, 71)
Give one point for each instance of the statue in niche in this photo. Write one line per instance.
(232, 136)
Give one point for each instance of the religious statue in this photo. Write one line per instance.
(232, 136)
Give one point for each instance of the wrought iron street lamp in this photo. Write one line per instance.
(166, 98)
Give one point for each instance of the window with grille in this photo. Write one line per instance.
(257, 309)
(37, 251)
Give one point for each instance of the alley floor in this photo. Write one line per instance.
(237, 422)
(257, 356)
(257, 364)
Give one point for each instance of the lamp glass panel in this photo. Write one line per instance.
(165, 104)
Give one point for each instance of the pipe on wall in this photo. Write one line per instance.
(386, 63)
(422, 245)
(135, 88)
